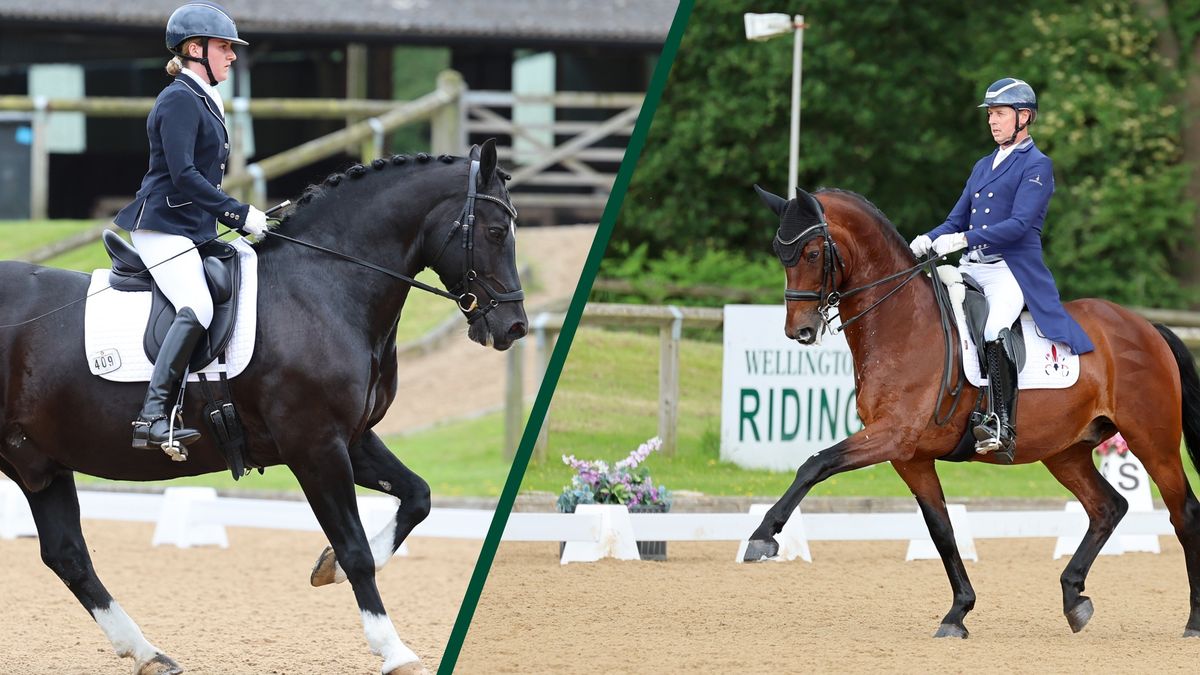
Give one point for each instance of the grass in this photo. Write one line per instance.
(20, 237)
(606, 404)
(461, 459)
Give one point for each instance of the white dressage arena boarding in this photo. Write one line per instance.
(191, 516)
(115, 321)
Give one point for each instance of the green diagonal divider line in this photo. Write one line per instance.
(538, 415)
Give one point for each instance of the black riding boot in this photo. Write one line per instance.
(153, 425)
(997, 433)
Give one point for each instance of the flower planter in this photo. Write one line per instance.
(651, 550)
(647, 550)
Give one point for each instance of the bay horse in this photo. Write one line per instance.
(1140, 380)
(323, 373)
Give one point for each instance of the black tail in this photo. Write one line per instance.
(1191, 391)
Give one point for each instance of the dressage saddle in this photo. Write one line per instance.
(221, 271)
(975, 307)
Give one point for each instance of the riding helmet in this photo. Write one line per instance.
(200, 19)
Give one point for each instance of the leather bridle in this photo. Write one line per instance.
(468, 301)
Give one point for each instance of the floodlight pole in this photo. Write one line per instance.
(794, 155)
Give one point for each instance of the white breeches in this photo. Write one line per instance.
(181, 277)
(1004, 296)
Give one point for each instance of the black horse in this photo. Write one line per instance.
(323, 373)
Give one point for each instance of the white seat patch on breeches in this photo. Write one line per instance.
(1048, 364)
(115, 322)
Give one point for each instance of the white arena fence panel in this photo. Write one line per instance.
(564, 527)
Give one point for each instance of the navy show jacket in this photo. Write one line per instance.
(189, 146)
(1001, 211)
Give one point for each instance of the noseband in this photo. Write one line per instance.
(468, 302)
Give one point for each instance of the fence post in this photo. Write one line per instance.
(39, 162)
(446, 124)
(258, 186)
(545, 348)
(668, 380)
(514, 399)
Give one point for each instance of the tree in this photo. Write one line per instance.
(889, 112)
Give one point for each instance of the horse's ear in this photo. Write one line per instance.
(487, 160)
(773, 201)
(812, 201)
(474, 153)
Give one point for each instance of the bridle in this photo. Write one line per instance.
(829, 297)
(468, 302)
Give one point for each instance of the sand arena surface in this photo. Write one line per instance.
(859, 607)
(245, 609)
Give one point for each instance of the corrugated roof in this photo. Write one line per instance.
(631, 21)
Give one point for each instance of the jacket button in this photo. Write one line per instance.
(237, 217)
(226, 146)
(972, 210)
(222, 167)
(218, 186)
(987, 210)
(989, 194)
(985, 227)
(970, 227)
(226, 214)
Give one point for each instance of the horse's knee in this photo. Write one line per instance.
(416, 500)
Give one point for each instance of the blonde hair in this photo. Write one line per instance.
(175, 65)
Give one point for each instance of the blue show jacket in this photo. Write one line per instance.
(1001, 211)
(189, 146)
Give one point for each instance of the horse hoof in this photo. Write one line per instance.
(161, 664)
(326, 570)
(949, 630)
(759, 549)
(1191, 632)
(414, 668)
(1080, 614)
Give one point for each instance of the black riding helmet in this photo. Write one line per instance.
(203, 20)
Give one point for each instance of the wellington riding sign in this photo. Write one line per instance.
(781, 402)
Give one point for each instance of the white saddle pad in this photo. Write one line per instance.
(1048, 364)
(115, 321)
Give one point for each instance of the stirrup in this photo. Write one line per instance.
(174, 449)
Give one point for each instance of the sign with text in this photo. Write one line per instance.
(781, 401)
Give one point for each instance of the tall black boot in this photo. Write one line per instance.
(152, 429)
(997, 434)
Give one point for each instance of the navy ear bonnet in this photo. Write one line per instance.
(802, 219)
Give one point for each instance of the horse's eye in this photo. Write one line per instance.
(812, 256)
(496, 232)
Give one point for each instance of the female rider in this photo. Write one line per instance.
(999, 219)
(180, 200)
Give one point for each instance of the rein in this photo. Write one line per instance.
(829, 297)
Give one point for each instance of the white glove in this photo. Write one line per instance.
(256, 224)
(949, 243)
(921, 245)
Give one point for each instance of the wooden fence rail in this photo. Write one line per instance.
(670, 320)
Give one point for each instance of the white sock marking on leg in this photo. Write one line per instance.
(123, 633)
(385, 642)
(383, 544)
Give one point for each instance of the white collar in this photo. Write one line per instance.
(1003, 153)
(207, 89)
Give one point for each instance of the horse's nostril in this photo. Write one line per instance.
(517, 330)
(805, 335)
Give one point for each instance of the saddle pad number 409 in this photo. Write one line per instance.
(115, 321)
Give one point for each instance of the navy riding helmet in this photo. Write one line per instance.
(1014, 93)
(203, 20)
